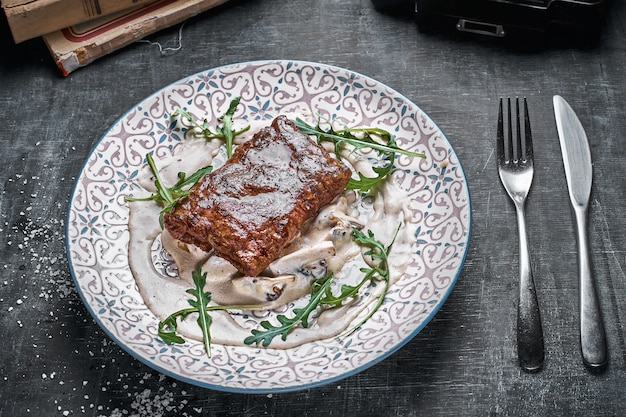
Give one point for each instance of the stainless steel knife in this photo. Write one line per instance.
(578, 171)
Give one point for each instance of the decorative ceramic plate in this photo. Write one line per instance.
(97, 232)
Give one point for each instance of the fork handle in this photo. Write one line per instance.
(530, 345)
(592, 335)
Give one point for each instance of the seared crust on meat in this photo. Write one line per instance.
(249, 209)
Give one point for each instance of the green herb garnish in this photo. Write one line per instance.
(374, 138)
(287, 324)
(201, 303)
(225, 131)
(380, 256)
(168, 197)
(167, 328)
(321, 298)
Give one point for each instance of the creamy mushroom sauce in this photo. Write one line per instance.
(324, 245)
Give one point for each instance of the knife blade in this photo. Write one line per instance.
(579, 173)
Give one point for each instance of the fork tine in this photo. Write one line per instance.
(520, 155)
(511, 153)
(500, 138)
(527, 133)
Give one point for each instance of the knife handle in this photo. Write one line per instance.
(592, 334)
(530, 345)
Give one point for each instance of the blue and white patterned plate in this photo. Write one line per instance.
(97, 232)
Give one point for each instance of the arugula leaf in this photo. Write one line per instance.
(364, 184)
(380, 255)
(168, 197)
(322, 296)
(346, 292)
(224, 132)
(366, 139)
(227, 127)
(287, 324)
(201, 304)
(347, 136)
(167, 328)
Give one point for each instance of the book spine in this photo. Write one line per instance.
(40, 17)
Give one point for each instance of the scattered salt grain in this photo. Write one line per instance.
(38, 234)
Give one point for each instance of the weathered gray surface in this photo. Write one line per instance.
(54, 358)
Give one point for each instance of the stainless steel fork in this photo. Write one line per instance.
(515, 166)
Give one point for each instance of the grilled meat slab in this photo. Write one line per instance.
(249, 209)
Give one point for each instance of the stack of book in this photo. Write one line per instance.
(80, 31)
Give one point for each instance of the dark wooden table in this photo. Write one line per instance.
(54, 358)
